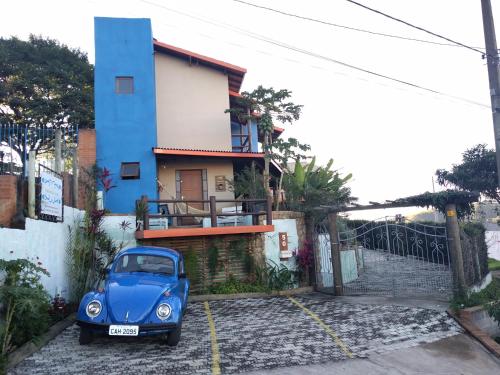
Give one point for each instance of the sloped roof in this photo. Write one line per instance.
(235, 73)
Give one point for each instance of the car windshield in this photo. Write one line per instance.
(145, 263)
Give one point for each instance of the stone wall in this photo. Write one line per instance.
(230, 261)
(8, 199)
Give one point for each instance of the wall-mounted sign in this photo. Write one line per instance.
(51, 195)
(283, 240)
(220, 183)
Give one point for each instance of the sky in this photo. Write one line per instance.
(390, 136)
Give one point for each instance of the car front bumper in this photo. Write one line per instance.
(144, 329)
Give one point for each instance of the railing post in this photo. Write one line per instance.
(335, 253)
(213, 212)
(269, 210)
(145, 218)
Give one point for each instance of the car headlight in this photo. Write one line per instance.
(163, 311)
(94, 308)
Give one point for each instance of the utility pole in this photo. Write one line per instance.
(493, 74)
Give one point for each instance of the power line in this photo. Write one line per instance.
(312, 54)
(344, 26)
(416, 27)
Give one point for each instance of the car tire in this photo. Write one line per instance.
(174, 337)
(86, 336)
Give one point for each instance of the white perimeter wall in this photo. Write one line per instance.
(493, 242)
(45, 242)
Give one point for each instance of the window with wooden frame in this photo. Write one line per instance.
(124, 85)
(130, 171)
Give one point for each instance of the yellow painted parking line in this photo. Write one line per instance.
(213, 340)
(328, 330)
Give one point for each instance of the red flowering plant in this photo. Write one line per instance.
(305, 258)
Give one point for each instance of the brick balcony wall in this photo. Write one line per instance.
(86, 158)
(8, 199)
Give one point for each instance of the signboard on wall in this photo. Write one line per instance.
(51, 195)
(283, 242)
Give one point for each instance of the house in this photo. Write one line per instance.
(162, 131)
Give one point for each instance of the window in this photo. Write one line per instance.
(145, 263)
(130, 171)
(124, 85)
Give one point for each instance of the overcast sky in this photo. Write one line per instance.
(392, 137)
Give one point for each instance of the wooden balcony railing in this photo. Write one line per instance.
(252, 209)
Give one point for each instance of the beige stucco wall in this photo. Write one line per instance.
(190, 104)
(167, 168)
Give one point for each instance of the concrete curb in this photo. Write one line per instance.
(219, 297)
(463, 318)
(30, 347)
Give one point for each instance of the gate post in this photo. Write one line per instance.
(335, 253)
(455, 246)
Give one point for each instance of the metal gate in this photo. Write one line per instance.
(390, 257)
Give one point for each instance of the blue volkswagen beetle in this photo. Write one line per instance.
(145, 292)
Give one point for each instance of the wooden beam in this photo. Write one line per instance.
(193, 232)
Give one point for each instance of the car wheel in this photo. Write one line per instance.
(85, 336)
(175, 336)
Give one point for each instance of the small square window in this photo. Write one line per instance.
(130, 171)
(124, 85)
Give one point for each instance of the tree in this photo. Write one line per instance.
(44, 85)
(262, 106)
(477, 172)
(288, 150)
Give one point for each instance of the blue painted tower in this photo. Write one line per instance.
(125, 109)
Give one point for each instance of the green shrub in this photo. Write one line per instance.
(26, 304)
(278, 276)
(489, 297)
(232, 286)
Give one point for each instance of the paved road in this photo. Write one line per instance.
(459, 354)
(252, 334)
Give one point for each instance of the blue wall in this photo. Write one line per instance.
(125, 123)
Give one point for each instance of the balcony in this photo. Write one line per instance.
(189, 218)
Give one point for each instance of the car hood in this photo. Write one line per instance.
(131, 297)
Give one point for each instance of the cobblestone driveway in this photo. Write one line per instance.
(250, 334)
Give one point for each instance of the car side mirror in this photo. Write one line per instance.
(182, 275)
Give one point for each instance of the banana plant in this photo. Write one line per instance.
(310, 186)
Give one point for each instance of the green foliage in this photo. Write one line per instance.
(262, 105)
(462, 199)
(493, 264)
(89, 249)
(25, 303)
(278, 276)
(213, 257)
(192, 266)
(286, 151)
(477, 172)
(489, 297)
(240, 249)
(44, 83)
(232, 286)
(310, 186)
(248, 183)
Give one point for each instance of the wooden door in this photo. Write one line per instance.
(191, 188)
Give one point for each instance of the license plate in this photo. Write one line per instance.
(123, 330)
